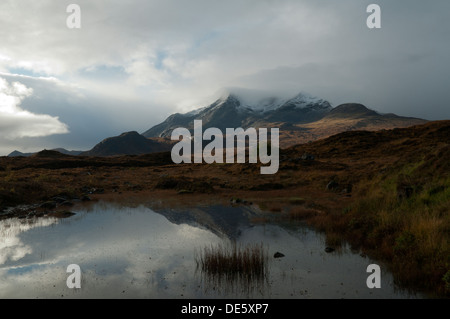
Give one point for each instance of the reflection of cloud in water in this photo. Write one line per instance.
(121, 251)
(11, 246)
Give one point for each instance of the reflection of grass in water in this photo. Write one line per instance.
(234, 267)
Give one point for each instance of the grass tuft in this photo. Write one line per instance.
(232, 266)
(233, 259)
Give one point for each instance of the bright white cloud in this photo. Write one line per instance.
(11, 246)
(16, 122)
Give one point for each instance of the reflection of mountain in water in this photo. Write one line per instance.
(226, 221)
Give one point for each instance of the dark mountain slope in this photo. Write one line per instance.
(129, 143)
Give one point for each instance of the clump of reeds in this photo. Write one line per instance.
(234, 261)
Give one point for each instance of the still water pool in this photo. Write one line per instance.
(137, 252)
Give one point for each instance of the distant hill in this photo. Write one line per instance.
(17, 153)
(344, 118)
(60, 150)
(49, 154)
(351, 110)
(301, 118)
(128, 143)
(64, 151)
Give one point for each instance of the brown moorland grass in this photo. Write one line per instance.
(401, 215)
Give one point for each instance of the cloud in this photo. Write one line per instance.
(93, 112)
(12, 247)
(16, 122)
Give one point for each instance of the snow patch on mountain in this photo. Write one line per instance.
(196, 111)
(261, 102)
(258, 102)
(303, 100)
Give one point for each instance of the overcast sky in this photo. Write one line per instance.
(135, 62)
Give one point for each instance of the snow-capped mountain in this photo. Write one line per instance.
(300, 118)
(261, 103)
(235, 109)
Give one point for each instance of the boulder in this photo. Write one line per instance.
(308, 157)
(332, 185)
(48, 205)
(278, 255)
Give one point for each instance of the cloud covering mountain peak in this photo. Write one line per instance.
(265, 101)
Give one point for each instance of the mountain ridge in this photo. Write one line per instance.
(17, 153)
(301, 118)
